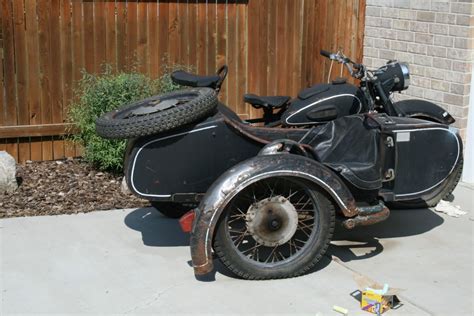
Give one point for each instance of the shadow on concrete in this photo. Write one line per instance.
(157, 230)
(364, 242)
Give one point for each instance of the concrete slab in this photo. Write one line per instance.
(136, 261)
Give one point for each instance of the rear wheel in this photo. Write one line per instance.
(171, 209)
(274, 228)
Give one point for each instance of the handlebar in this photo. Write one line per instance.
(357, 71)
(325, 53)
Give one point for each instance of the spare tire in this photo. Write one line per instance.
(157, 114)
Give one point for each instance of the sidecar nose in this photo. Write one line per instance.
(186, 221)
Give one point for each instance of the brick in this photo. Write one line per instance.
(458, 77)
(463, 8)
(424, 38)
(423, 60)
(372, 11)
(437, 51)
(407, 14)
(417, 70)
(440, 6)
(435, 73)
(416, 48)
(421, 4)
(372, 21)
(420, 82)
(459, 31)
(462, 89)
(445, 18)
(368, 41)
(445, 41)
(406, 57)
(463, 20)
(405, 36)
(465, 43)
(438, 29)
(371, 52)
(387, 33)
(440, 85)
(387, 23)
(425, 16)
(372, 32)
(401, 25)
(398, 46)
(453, 99)
(434, 95)
(462, 66)
(442, 63)
(387, 54)
(419, 27)
(416, 91)
(402, 4)
(390, 12)
(459, 54)
(381, 43)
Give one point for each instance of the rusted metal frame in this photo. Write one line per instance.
(368, 216)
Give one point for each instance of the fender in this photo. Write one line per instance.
(246, 173)
(424, 110)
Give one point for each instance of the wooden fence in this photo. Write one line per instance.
(271, 47)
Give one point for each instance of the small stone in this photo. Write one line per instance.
(124, 187)
(8, 181)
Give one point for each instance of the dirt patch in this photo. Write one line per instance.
(64, 187)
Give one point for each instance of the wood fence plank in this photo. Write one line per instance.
(9, 64)
(142, 39)
(221, 36)
(44, 33)
(201, 55)
(100, 42)
(173, 34)
(56, 70)
(163, 34)
(66, 55)
(231, 57)
(2, 83)
(34, 90)
(242, 60)
(11, 147)
(121, 35)
(183, 32)
(110, 35)
(77, 41)
(89, 35)
(153, 39)
(21, 65)
(192, 34)
(211, 36)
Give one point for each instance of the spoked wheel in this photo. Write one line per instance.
(274, 228)
(157, 114)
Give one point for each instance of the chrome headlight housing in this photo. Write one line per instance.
(394, 76)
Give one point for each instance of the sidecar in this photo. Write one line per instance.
(265, 199)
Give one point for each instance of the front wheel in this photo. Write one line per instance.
(277, 227)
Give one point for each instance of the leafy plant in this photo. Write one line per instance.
(100, 93)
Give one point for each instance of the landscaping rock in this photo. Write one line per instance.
(124, 187)
(8, 181)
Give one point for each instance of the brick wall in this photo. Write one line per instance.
(436, 38)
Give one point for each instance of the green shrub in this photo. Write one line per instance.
(100, 93)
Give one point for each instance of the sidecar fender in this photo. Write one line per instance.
(246, 173)
(425, 110)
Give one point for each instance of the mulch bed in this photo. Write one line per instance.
(64, 187)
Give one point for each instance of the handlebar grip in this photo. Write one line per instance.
(357, 66)
(325, 53)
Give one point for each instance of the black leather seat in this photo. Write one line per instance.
(273, 102)
(184, 78)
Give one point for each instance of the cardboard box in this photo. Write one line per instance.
(376, 303)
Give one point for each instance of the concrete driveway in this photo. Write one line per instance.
(136, 261)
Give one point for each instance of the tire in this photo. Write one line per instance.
(249, 265)
(144, 117)
(449, 186)
(171, 209)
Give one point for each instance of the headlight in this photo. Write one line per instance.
(395, 76)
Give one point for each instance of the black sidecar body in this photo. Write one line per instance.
(376, 156)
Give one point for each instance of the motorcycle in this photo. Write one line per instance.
(265, 198)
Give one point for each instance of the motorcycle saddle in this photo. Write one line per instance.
(184, 78)
(273, 102)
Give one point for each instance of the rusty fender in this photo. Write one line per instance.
(238, 177)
